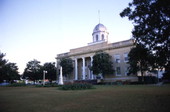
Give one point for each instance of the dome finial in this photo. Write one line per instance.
(99, 15)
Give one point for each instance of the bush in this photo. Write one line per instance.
(148, 79)
(47, 85)
(16, 85)
(166, 75)
(76, 86)
(94, 82)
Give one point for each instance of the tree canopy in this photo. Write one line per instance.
(33, 70)
(140, 59)
(102, 64)
(151, 19)
(8, 70)
(2, 60)
(67, 65)
(51, 70)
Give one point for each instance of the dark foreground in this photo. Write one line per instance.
(139, 98)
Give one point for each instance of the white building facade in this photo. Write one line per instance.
(83, 56)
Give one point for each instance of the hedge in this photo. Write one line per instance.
(76, 86)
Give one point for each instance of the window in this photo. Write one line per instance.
(117, 58)
(118, 71)
(97, 38)
(102, 36)
(126, 71)
(126, 58)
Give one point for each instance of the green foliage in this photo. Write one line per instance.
(16, 85)
(8, 70)
(12, 72)
(33, 70)
(148, 80)
(48, 85)
(2, 61)
(166, 75)
(140, 59)
(102, 64)
(67, 65)
(2, 64)
(76, 86)
(51, 71)
(151, 19)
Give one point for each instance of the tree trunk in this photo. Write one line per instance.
(142, 76)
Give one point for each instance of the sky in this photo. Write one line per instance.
(41, 29)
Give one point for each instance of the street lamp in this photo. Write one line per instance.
(44, 72)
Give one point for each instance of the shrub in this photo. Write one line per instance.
(47, 85)
(76, 86)
(94, 82)
(16, 85)
(148, 79)
(119, 82)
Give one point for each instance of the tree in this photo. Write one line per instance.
(51, 71)
(2, 61)
(8, 71)
(33, 70)
(140, 59)
(2, 64)
(166, 74)
(67, 65)
(151, 19)
(11, 72)
(102, 64)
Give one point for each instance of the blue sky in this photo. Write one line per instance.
(41, 29)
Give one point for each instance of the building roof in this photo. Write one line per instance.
(100, 28)
(97, 47)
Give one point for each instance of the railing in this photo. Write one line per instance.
(96, 42)
(124, 43)
(63, 54)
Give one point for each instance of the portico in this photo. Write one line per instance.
(82, 68)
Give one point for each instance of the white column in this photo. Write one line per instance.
(44, 77)
(92, 77)
(76, 75)
(89, 73)
(56, 62)
(83, 72)
(56, 69)
(61, 77)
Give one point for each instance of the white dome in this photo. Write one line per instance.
(100, 34)
(100, 28)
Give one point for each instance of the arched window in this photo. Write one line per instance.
(102, 36)
(97, 38)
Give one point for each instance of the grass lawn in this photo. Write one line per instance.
(134, 98)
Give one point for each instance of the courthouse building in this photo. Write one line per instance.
(83, 56)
